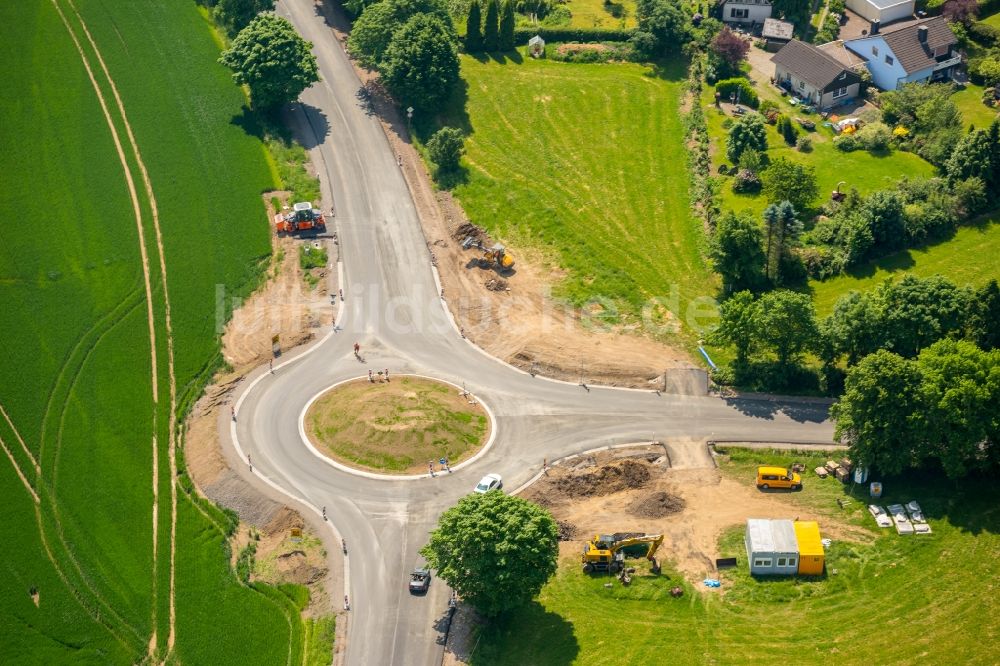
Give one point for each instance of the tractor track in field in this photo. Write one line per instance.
(27, 452)
(171, 446)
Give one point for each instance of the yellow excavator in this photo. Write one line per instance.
(607, 552)
(493, 257)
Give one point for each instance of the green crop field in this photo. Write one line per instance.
(966, 259)
(884, 598)
(587, 164)
(77, 380)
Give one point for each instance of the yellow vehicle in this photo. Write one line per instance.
(778, 477)
(607, 552)
(493, 257)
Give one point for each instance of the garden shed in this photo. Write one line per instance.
(536, 46)
(771, 547)
(811, 555)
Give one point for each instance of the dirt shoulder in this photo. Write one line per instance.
(524, 326)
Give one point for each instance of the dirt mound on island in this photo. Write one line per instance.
(608, 479)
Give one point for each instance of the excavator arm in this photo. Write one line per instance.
(654, 542)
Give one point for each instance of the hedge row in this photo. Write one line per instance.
(522, 35)
(748, 95)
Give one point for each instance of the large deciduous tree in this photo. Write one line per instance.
(420, 66)
(495, 550)
(666, 21)
(738, 325)
(372, 32)
(878, 415)
(729, 48)
(272, 60)
(737, 254)
(786, 323)
(237, 14)
(961, 11)
(984, 316)
(785, 180)
(747, 133)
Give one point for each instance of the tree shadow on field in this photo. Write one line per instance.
(249, 121)
(669, 69)
(499, 57)
(529, 634)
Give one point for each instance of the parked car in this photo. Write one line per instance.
(488, 483)
(420, 581)
(778, 477)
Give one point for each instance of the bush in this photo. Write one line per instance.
(766, 106)
(446, 147)
(786, 128)
(804, 144)
(747, 94)
(746, 181)
(875, 137)
(984, 34)
(846, 143)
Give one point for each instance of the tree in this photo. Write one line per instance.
(474, 29)
(793, 9)
(850, 329)
(972, 158)
(237, 14)
(730, 49)
(270, 57)
(788, 181)
(737, 253)
(446, 148)
(984, 316)
(643, 45)
(373, 31)
(507, 26)
(878, 414)
(914, 313)
(747, 133)
(495, 550)
(989, 70)
(491, 29)
(666, 21)
(738, 325)
(883, 210)
(782, 228)
(752, 160)
(420, 67)
(961, 387)
(961, 11)
(786, 323)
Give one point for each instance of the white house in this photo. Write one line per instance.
(920, 50)
(772, 547)
(747, 14)
(885, 11)
(813, 75)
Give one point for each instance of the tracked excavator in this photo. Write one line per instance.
(607, 552)
(493, 257)
(302, 218)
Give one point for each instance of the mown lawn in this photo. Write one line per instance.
(859, 169)
(597, 14)
(587, 164)
(76, 376)
(969, 258)
(970, 102)
(892, 599)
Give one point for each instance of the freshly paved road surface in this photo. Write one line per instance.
(393, 309)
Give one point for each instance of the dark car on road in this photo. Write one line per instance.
(420, 580)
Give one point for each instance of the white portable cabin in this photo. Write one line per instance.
(772, 548)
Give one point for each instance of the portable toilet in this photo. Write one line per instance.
(771, 547)
(811, 555)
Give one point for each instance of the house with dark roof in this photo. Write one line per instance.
(746, 14)
(813, 75)
(908, 52)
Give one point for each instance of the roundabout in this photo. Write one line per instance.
(397, 425)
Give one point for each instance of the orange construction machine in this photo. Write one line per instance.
(302, 218)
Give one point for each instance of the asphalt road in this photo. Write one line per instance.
(392, 308)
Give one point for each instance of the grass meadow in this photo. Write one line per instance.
(892, 599)
(967, 258)
(585, 163)
(75, 378)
